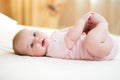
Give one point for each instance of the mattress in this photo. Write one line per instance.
(15, 67)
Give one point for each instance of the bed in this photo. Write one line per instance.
(16, 67)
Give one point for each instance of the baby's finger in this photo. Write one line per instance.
(96, 18)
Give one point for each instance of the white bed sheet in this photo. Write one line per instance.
(15, 67)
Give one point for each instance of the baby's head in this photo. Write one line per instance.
(30, 42)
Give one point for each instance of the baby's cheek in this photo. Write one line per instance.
(36, 49)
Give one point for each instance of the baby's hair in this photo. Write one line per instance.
(16, 41)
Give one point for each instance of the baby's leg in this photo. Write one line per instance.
(98, 42)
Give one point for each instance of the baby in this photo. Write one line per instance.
(88, 39)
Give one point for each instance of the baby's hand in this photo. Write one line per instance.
(85, 18)
(96, 19)
(93, 20)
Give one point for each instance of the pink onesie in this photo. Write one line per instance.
(57, 48)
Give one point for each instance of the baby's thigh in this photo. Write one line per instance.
(98, 49)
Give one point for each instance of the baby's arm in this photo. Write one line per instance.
(74, 32)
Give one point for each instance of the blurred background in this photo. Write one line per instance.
(60, 13)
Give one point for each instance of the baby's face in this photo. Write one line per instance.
(33, 42)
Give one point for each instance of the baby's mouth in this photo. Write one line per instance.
(43, 42)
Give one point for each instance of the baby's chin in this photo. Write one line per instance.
(36, 55)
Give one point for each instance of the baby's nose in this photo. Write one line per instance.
(36, 39)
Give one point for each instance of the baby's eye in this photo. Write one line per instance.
(34, 34)
(31, 45)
